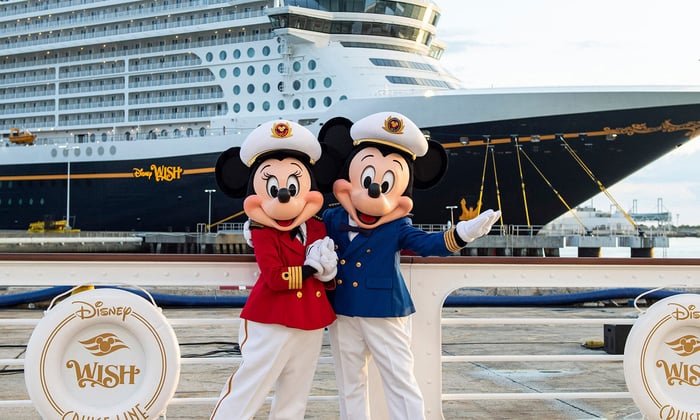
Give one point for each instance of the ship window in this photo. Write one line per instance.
(177, 133)
(209, 57)
(222, 55)
(236, 107)
(280, 104)
(236, 54)
(343, 98)
(327, 82)
(251, 88)
(104, 136)
(266, 106)
(296, 104)
(312, 102)
(202, 131)
(312, 83)
(190, 132)
(251, 107)
(280, 68)
(251, 70)
(251, 52)
(164, 133)
(236, 90)
(236, 71)
(296, 66)
(312, 64)
(296, 85)
(327, 101)
(266, 69)
(222, 73)
(266, 87)
(266, 50)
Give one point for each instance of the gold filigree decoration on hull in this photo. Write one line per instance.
(692, 128)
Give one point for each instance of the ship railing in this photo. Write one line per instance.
(50, 37)
(430, 280)
(143, 50)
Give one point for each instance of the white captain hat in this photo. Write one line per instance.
(279, 135)
(392, 129)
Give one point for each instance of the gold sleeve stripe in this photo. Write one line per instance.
(293, 275)
(450, 241)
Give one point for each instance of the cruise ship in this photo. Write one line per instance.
(113, 113)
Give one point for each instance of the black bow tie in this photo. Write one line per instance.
(344, 227)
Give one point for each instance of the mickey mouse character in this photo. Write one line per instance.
(285, 314)
(388, 156)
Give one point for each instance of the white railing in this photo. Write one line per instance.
(430, 280)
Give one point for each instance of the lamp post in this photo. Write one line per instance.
(209, 191)
(452, 217)
(67, 154)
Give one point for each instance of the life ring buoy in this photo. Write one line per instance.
(662, 359)
(103, 353)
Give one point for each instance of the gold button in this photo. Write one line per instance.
(368, 251)
(299, 295)
(354, 284)
(358, 264)
(342, 262)
(339, 281)
(318, 293)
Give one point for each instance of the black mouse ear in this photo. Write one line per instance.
(231, 174)
(326, 169)
(335, 135)
(429, 169)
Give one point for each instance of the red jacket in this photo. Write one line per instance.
(281, 295)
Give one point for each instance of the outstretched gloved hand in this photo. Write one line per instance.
(469, 230)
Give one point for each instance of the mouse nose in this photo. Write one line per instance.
(374, 190)
(283, 195)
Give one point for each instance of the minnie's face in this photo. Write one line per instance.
(282, 197)
(373, 195)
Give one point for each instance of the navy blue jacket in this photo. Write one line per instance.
(369, 281)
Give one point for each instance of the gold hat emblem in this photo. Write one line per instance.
(281, 130)
(393, 125)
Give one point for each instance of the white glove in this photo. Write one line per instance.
(469, 230)
(246, 233)
(313, 256)
(329, 260)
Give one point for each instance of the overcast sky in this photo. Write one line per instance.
(500, 43)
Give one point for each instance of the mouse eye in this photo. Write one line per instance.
(387, 182)
(367, 176)
(293, 185)
(273, 187)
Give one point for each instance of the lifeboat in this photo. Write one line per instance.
(21, 137)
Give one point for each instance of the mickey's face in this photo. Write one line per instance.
(282, 197)
(373, 195)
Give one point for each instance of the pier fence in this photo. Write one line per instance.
(430, 280)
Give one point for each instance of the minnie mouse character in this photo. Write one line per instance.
(286, 312)
(387, 157)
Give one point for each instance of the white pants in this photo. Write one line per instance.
(273, 356)
(387, 340)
